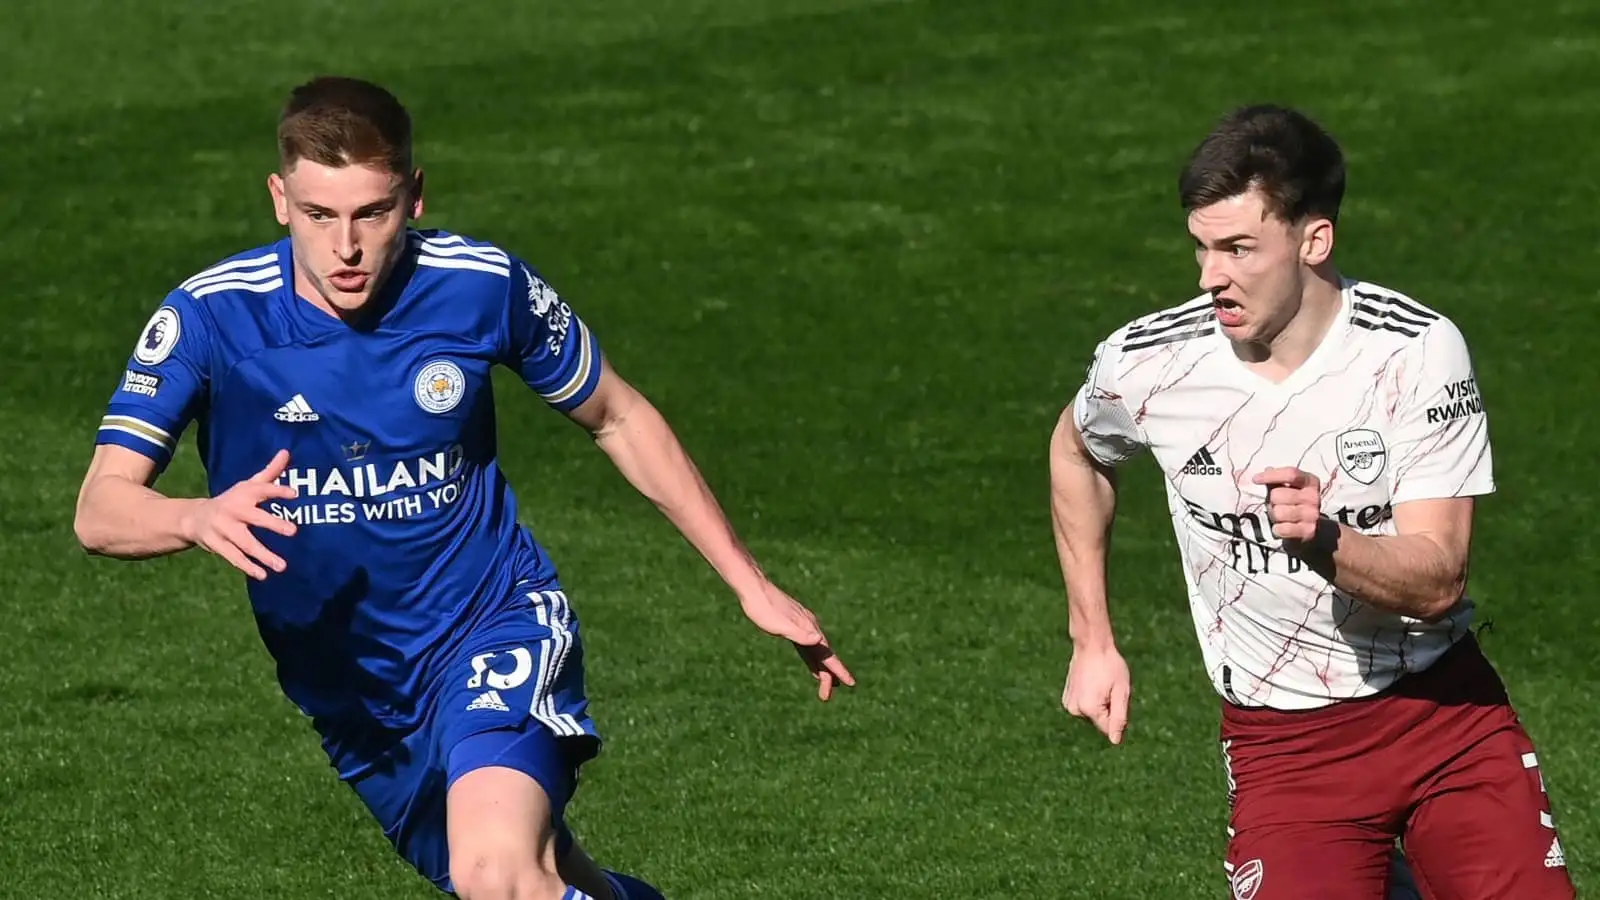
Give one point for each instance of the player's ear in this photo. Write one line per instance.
(280, 203)
(416, 194)
(1316, 245)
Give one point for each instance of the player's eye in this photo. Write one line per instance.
(1238, 252)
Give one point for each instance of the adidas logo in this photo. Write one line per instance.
(296, 410)
(488, 700)
(1202, 463)
(1555, 859)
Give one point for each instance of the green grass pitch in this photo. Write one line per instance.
(858, 252)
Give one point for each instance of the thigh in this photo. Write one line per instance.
(1484, 827)
(1310, 815)
(511, 727)
(1309, 861)
(513, 757)
(498, 795)
(404, 791)
(501, 831)
(511, 698)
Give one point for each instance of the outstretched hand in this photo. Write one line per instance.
(222, 524)
(780, 615)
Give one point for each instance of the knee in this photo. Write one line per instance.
(504, 877)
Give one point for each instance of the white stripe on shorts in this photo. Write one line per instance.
(550, 608)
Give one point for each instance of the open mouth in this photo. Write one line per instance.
(1229, 313)
(348, 281)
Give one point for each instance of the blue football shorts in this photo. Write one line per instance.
(512, 696)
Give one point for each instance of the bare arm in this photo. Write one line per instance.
(1083, 500)
(121, 516)
(1083, 496)
(633, 433)
(1421, 571)
(636, 437)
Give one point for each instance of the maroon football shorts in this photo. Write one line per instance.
(1439, 761)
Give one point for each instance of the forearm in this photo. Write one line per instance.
(1410, 574)
(124, 519)
(1082, 506)
(644, 449)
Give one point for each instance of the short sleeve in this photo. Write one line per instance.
(1103, 418)
(548, 344)
(165, 384)
(1440, 435)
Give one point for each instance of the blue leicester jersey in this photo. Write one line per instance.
(408, 531)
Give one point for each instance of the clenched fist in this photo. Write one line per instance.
(1294, 503)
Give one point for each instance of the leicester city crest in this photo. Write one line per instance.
(439, 386)
(1361, 454)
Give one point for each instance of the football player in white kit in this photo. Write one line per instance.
(1322, 440)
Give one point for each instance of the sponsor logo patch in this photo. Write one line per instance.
(160, 336)
(142, 383)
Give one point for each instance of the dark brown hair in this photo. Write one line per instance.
(1297, 166)
(338, 121)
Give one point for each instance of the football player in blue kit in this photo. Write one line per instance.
(338, 381)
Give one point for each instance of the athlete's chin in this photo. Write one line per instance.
(1238, 332)
(347, 300)
(1240, 327)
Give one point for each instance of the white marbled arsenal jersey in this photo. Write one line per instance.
(1385, 411)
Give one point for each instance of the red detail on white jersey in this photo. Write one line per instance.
(1385, 411)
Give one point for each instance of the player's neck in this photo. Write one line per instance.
(1289, 349)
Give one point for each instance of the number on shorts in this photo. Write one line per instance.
(1531, 761)
(481, 672)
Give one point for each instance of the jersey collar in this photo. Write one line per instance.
(1316, 364)
(315, 321)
